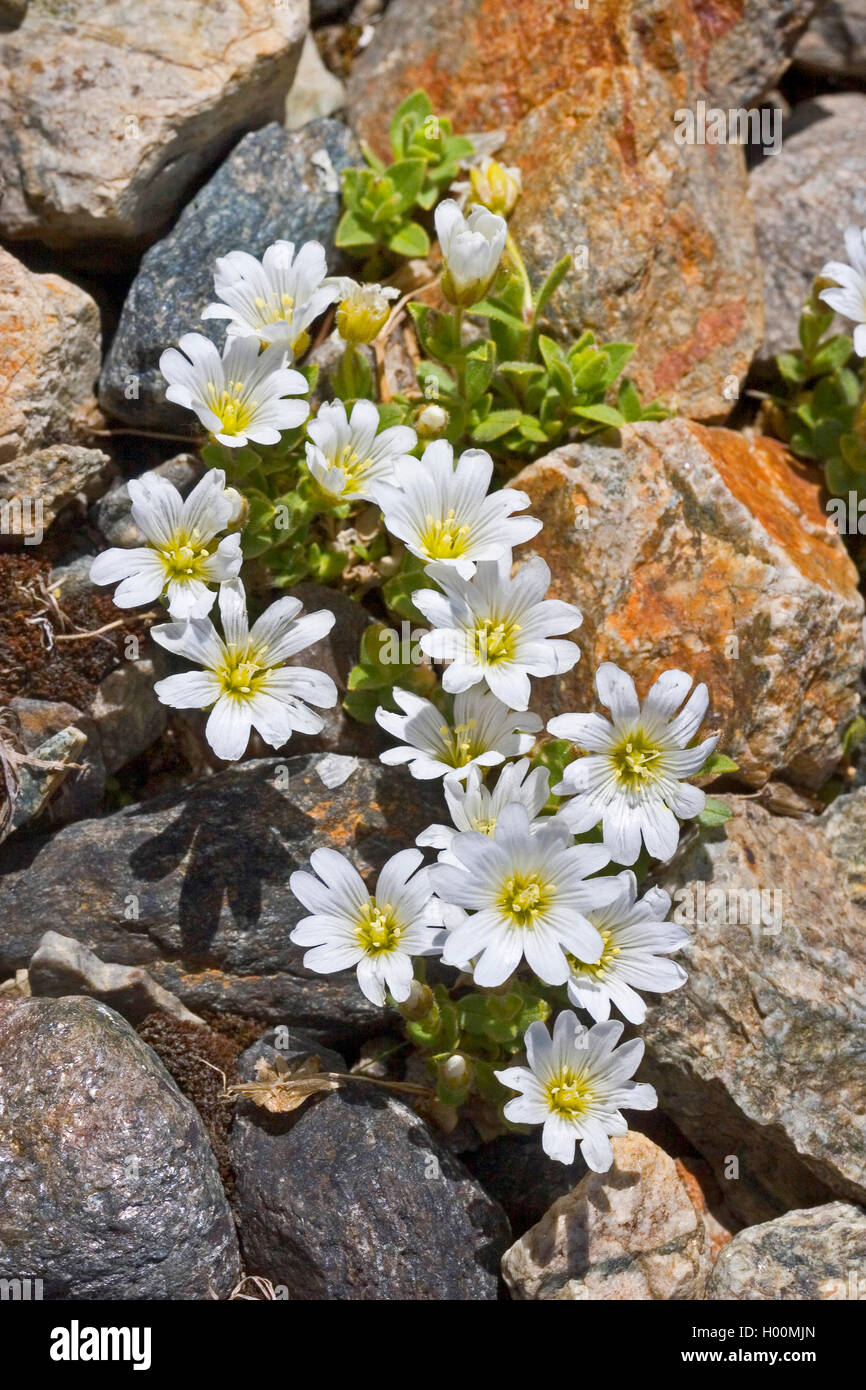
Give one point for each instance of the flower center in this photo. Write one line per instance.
(458, 744)
(240, 676)
(352, 466)
(568, 1095)
(277, 308)
(444, 539)
(378, 930)
(598, 969)
(233, 412)
(636, 760)
(496, 641)
(184, 558)
(524, 898)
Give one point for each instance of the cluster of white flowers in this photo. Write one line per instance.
(513, 888)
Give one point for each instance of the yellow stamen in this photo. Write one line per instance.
(378, 930)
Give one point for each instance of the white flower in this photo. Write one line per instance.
(574, 1085)
(442, 511)
(347, 456)
(377, 933)
(497, 628)
(528, 895)
(178, 560)
(362, 310)
(631, 779)
(850, 298)
(477, 807)
(636, 940)
(273, 300)
(482, 731)
(239, 396)
(243, 677)
(471, 250)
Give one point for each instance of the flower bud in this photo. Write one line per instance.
(456, 1071)
(240, 509)
(363, 310)
(418, 1004)
(431, 421)
(495, 186)
(471, 250)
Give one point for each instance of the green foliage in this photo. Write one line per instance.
(388, 657)
(820, 409)
(379, 201)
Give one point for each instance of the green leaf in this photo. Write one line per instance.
(716, 764)
(835, 353)
(854, 734)
(407, 177)
(602, 414)
(351, 232)
(498, 423)
(628, 402)
(551, 284)
(714, 813)
(790, 366)
(410, 240)
(409, 115)
(479, 369)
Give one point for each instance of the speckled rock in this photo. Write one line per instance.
(588, 96)
(61, 966)
(758, 1058)
(111, 110)
(804, 198)
(629, 1234)
(110, 1188)
(81, 794)
(834, 45)
(814, 1254)
(42, 484)
(353, 1197)
(49, 359)
(699, 548)
(275, 183)
(126, 709)
(194, 885)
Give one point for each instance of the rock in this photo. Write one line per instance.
(40, 485)
(705, 1195)
(834, 45)
(316, 91)
(588, 97)
(126, 709)
(804, 198)
(517, 1174)
(323, 10)
(37, 784)
(12, 12)
(61, 966)
(703, 549)
(628, 1234)
(814, 1254)
(106, 130)
(756, 1058)
(276, 183)
(113, 512)
(352, 1197)
(111, 1190)
(81, 793)
(71, 579)
(49, 359)
(194, 886)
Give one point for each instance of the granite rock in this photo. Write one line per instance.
(815, 1254)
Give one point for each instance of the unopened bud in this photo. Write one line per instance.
(240, 509)
(431, 420)
(495, 186)
(418, 1004)
(456, 1071)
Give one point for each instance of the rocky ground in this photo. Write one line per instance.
(144, 918)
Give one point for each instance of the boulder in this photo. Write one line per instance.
(706, 550)
(61, 966)
(110, 1188)
(109, 112)
(815, 1254)
(834, 45)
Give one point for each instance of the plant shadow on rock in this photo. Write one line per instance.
(234, 840)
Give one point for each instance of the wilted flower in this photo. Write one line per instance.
(482, 731)
(637, 939)
(276, 299)
(375, 933)
(348, 456)
(243, 677)
(497, 629)
(442, 511)
(240, 396)
(850, 296)
(631, 779)
(574, 1086)
(362, 310)
(528, 894)
(179, 560)
(495, 186)
(471, 250)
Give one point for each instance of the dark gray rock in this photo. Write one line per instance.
(834, 45)
(81, 793)
(352, 1197)
(819, 1253)
(110, 1188)
(194, 885)
(268, 188)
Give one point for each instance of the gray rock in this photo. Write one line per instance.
(47, 481)
(61, 966)
(111, 1190)
(804, 198)
(81, 793)
(834, 45)
(269, 187)
(758, 1058)
(194, 886)
(126, 709)
(37, 784)
(516, 1173)
(72, 578)
(815, 1254)
(110, 111)
(113, 512)
(352, 1197)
